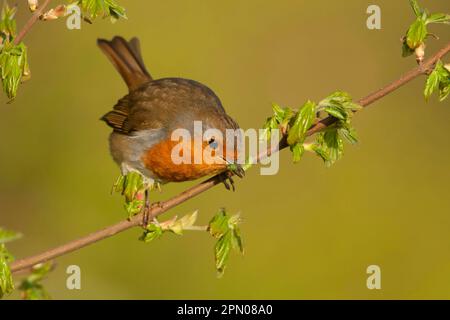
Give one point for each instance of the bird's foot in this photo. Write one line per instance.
(146, 212)
(227, 181)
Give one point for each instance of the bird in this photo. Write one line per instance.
(144, 120)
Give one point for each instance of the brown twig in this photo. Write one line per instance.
(208, 184)
(29, 24)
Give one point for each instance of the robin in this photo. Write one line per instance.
(143, 121)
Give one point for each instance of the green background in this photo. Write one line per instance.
(309, 231)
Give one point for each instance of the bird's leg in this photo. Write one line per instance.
(146, 212)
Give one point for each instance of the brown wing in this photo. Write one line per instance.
(118, 118)
(164, 103)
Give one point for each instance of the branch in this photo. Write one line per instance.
(34, 18)
(162, 207)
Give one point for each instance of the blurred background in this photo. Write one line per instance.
(309, 232)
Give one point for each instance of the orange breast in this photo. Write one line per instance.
(158, 159)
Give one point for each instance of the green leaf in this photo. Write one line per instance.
(6, 280)
(444, 90)
(31, 286)
(415, 7)
(349, 133)
(339, 105)
(14, 66)
(439, 79)
(438, 18)
(8, 23)
(101, 8)
(132, 187)
(8, 235)
(270, 124)
(297, 152)
(219, 224)
(301, 122)
(417, 33)
(225, 229)
(152, 232)
(279, 120)
(431, 84)
(329, 146)
(321, 152)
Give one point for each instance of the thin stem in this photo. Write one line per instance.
(29, 24)
(190, 193)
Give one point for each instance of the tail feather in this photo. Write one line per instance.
(126, 58)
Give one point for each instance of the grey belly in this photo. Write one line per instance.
(127, 150)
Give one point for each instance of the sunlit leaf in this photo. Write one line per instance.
(225, 229)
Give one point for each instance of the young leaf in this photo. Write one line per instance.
(8, 23)
(279, 119)
(101, 8)
(31, 286)
(439, 79)
(348, 132)
(415, 7)
(152, 232)
(132, 186)
(417, 33)
(178, 225)
(14, 66)
(156, 229)
(8, 235)
(301, 122)
(225, 229)
(219, 224)
(297, 152)
(438, 18)
(329, 146)
(444, 90)
(431, 84)
(6, 281)
(339, 105)
(222, 252)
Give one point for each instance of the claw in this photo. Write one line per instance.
(232, 183)
(225, 183)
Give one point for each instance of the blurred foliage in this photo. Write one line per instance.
(31, 287)
(6, 280)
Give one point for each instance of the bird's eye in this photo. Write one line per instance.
(212, 143)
